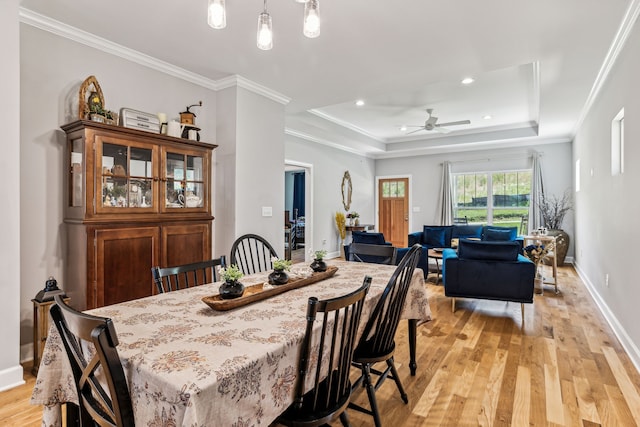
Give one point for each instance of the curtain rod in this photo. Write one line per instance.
(506, 157)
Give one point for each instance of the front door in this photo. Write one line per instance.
(393, 215)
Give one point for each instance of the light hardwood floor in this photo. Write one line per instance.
(480, 367)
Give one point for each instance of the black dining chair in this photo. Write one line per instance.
(377, 342)
(252, 254)
(325, 356)
(90, 343)
(461, 220)
(169, 279)
(378, 254)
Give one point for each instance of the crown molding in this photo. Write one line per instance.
(239, 81)
(345, 124)
(321, 141)
(616, 47)
(61, 29)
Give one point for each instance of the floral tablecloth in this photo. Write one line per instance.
(188, 365)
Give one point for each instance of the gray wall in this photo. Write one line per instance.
(608, 206)
(10, 369)
(329, 166)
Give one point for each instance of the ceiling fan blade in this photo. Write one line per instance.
(417, 130)
(460, 122)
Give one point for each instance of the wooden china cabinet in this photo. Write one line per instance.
(134, 200)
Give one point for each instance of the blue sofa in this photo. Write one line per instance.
(439, 236)
(494, 270)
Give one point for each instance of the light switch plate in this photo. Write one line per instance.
(416, 208)
(267, 211)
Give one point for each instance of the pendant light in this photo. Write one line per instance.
(311, 27)
(217, 14)
(265, 30)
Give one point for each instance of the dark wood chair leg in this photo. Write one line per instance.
(371, 392)
(396, 378)
(344, 418)
(412, 326)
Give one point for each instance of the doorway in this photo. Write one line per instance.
(297, 210)
(393, 210)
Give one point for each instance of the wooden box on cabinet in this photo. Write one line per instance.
(133, 200)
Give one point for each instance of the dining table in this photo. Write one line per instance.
(190, 365)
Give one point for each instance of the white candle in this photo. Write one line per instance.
(162, 117)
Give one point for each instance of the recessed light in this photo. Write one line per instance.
(487, 117)
(467, 80)
(403, 128)
(359, 102)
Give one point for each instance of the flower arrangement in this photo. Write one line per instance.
(280, 264)
(340, 224)
(537, 252)
(231, 273)
(318, 254)
(553, 209)
(353, 215)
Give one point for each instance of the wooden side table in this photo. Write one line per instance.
(546, 239)
(436, 255)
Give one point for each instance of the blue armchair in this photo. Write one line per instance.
(369, 239)
(488, 270)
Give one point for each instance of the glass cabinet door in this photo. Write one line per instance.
(184, 181)
(126, 173)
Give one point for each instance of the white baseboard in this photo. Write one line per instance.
(11, 377)
(628, 344)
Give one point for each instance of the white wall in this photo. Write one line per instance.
(608, 206)
(10, 369)
(426, 174)
(329, 166)
(52, 69)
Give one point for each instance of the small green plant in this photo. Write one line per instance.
(353, 215)
(280, 264)
(231, 273)
(318, 254)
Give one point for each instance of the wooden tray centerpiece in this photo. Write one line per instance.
(255, 293)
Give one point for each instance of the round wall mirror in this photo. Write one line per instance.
(346, 191)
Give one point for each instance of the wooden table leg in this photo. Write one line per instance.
(412, 327)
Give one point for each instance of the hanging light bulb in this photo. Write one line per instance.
(311, 19)
(217, 16)
(265, 30)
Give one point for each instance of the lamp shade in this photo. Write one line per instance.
(217, 14)
(265, 31)
(311, 19)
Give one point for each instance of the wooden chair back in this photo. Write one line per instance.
(110, 407)
(378, 254)
(185, 276)
(461, 220)
(252, 254)
(325, 357)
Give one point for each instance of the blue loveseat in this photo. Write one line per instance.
(368, 238)
(439, 236)
(488, 270)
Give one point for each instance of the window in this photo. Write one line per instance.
(617, 144)
(508, 203)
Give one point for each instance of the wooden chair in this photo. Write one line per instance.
(378, 254)
(185, 276)
(461, 220)
(377, 340)
(111, 407)
(326, 351)
(524, 225)
(252, 254)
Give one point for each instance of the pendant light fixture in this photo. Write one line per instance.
(217, 14)
(311, 26)
(265, 30)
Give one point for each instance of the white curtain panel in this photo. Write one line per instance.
(537, 190)
(446, 196)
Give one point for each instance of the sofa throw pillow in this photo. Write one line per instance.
(466, 231)
(437, 237)
(500, 233)
(488, 250)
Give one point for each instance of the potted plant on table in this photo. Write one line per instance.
(354, 218)
(553, 210)
(231, 288)
(318, 264)
(279, 275)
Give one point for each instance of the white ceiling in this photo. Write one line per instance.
(536, 64)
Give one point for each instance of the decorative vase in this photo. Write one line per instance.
(231, 289)
(278, 277)
(538, 281)
(318, 265)
(562, 245)
(357, 221)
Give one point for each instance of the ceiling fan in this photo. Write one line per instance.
(432, 124)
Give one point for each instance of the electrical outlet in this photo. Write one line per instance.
(606, 280)
(324, 241)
